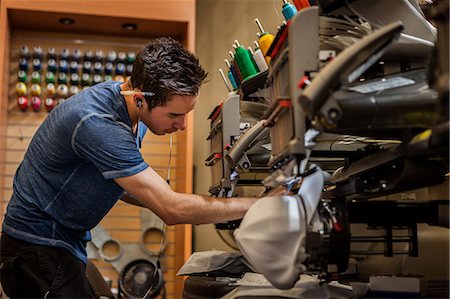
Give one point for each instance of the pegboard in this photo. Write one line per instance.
(123, 221)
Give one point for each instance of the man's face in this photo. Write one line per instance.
(170, 117)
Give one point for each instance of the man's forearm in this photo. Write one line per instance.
(200, 209)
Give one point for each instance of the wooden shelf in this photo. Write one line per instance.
(96, 22)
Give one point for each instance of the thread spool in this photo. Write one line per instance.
(35, 90)
(23, 64)
(98, 56)
(51, 65)
(225, 80)
(119, 78)
(288, 10)
(86, 79)
(121, 57)
(108, 68)
(37, 64)
(120, 68)
(21, 89)
(73, 90)
(265, 40)
(253, 59)
(301, 4)
(230, 75)
(87, 67)
(88, 55)
(98, 67)
(235, 69)
(131, 57)
(24, 52)
(234, 72)
(62, 78)
(49, 104)
(112, 56)
(97, 79)
(62, 90)
(51, 53)
(22, 76)
(259, 58)
(50, 89)
(65, 53)
(37, 52)
(74, 79)
(244, 62)
(22, 103)
(63, 66)
(76, 55)
(35, 77)
(35, 103)
(129, 69)
(73, 67)
(49, 77)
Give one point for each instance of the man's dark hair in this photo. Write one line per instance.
(166, 68)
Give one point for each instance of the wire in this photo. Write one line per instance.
(170, 159)
(163, 228)
(225, 240)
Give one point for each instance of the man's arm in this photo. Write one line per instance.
(176, 208)
(128, 198)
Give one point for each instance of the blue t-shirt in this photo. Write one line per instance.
(64, 186)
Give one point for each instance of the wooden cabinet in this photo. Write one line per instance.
(97, 24)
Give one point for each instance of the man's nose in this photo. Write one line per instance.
(181, 123)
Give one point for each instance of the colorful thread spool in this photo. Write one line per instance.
(265, 40)
(22, 103)
(244, 62)
(259, 58)
(49, 77)
(21, 89)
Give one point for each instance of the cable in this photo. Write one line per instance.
(170, 159)
(226, 241)
(163, 229)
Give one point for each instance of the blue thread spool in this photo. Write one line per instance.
(37, 64)
(288, 10)
(108, 68)
(51, 65)
(98, 67)
(23, 64)
(230, 75)
(73, 67)
(87, 67)
(63, 67)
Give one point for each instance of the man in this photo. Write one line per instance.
(82, 160)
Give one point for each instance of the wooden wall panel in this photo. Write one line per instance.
(30, 22)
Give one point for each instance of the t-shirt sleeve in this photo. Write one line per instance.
(109, 145)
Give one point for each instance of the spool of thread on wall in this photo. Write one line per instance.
(288, 10)
(259, 58)
(265, 39)
(244, 61)
(231, 76)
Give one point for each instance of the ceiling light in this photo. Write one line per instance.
(66, 21)
(129, 26)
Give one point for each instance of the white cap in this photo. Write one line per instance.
(271, 235)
